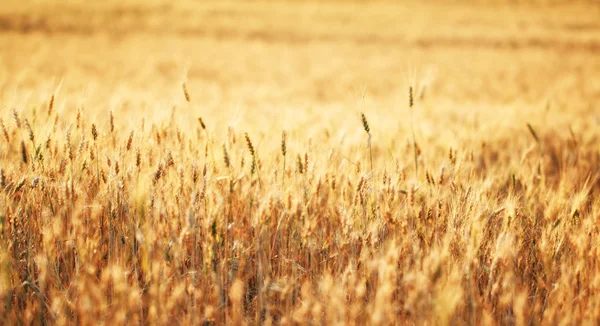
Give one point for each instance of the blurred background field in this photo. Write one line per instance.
(301, 64)
(287, 56)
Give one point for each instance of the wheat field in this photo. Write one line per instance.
(299, 163)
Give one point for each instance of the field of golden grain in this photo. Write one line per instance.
(299, 163)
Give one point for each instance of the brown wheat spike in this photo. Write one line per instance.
(62, 166)
(365, 123)
(306, 162)
(82, 145)
(299, 163)
(185, 92)
(283, 144)
(138, 159)
(194, 172)
(202, 123)
(169, 161)
(78, 118)
(51, 105)
(29, 130)
(94, 132)
(4, 131)
(226, 156)
(112, 121)
(249, 144)
(129, 141)
(16, 118)
(253, 167)
(158, 173)
(55, 124)
(24, 152)
(410, 97)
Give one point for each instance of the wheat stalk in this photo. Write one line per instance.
(415, 148)
(368, 131)
(283, 153)
(95, 137)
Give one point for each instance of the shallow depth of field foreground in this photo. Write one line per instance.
(299, 163)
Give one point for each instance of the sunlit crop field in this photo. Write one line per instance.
(299, 163)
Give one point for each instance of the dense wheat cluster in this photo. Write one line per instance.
(299, 163)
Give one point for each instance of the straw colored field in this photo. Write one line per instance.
(124, 202)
